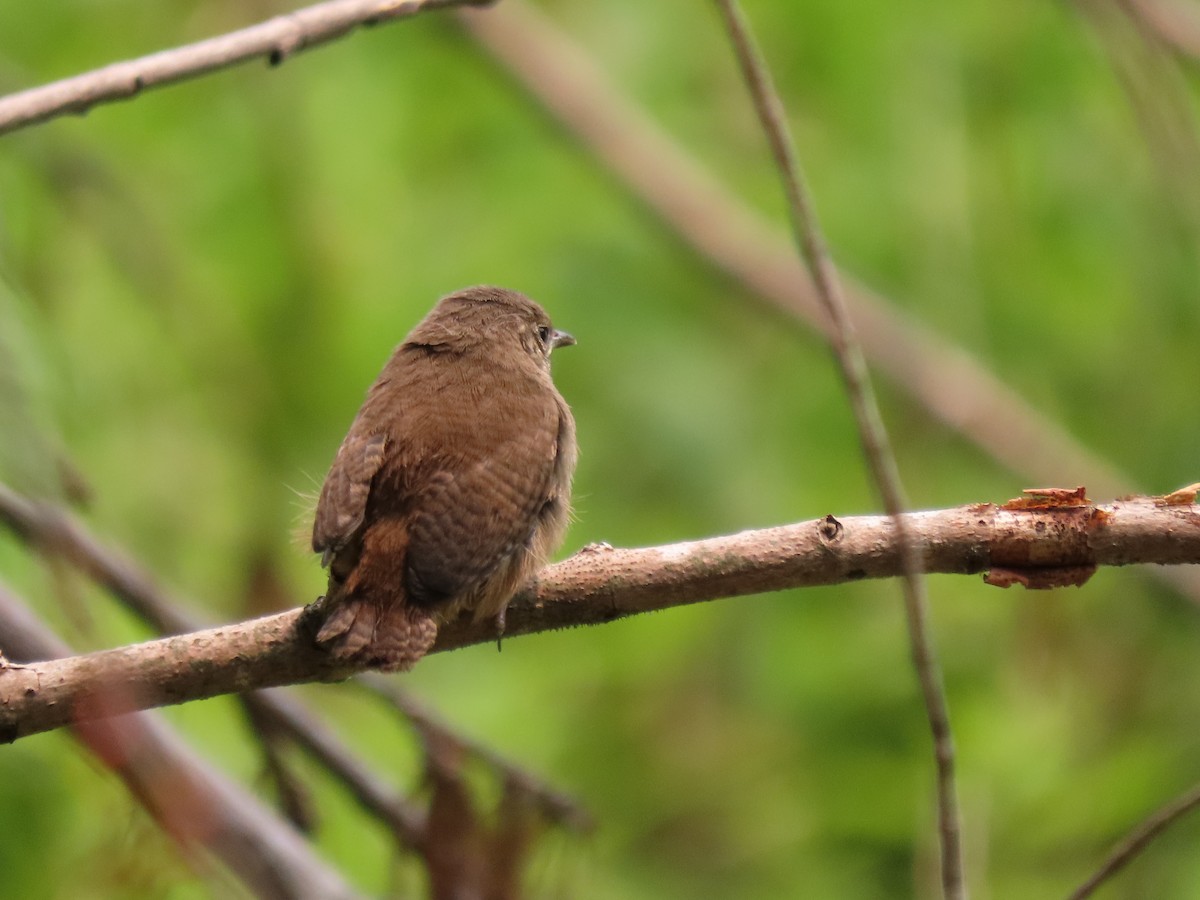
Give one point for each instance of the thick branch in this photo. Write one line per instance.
(1034, 545)
(193, 802)
(274, 40)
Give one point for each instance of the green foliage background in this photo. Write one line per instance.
(199, 285)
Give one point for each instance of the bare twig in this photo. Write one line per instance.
(871, 430)
(1030, 545)
(295, 798)
(554, 805)
(275, 40)
(193, 802)
(403, 818)
(1137, 841)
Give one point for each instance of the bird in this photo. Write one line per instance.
(452, 487)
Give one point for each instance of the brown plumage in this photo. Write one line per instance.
(453, 485)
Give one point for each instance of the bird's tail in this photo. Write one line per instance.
(391, 637)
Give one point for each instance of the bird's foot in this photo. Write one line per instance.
(499, 623)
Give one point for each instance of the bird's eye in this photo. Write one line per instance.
(544, 334)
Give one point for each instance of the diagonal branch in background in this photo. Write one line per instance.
(1038, 545)
(872, 432)
(465, 855)
(1158, 95)
(555, 806)
(294, 797)
(1175, 24)
(275, 40)
(195, 804)
(1137, 841)
(946, 380)
(56, 531)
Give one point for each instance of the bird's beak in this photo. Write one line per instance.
(560, 339)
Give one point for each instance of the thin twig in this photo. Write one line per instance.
(403, 818)
(1138, 839)
(194, 803)
(275, 40)
(1036, 546)
(556, 806)
(295, 798)
(871, 431)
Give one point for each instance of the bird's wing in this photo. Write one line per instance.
(472, 515)
(343, 502)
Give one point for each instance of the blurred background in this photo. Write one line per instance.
(196, 288)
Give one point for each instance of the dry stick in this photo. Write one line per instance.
(276, 39)
(57, 532)
(1138, 839)
(871, 430)
(193, 802)
(947, 381)
(601, 585)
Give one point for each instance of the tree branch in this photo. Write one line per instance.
(195, 804)
(1039, 546)
(53, 530)
(276, 39)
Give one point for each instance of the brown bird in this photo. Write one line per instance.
(453, 486)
